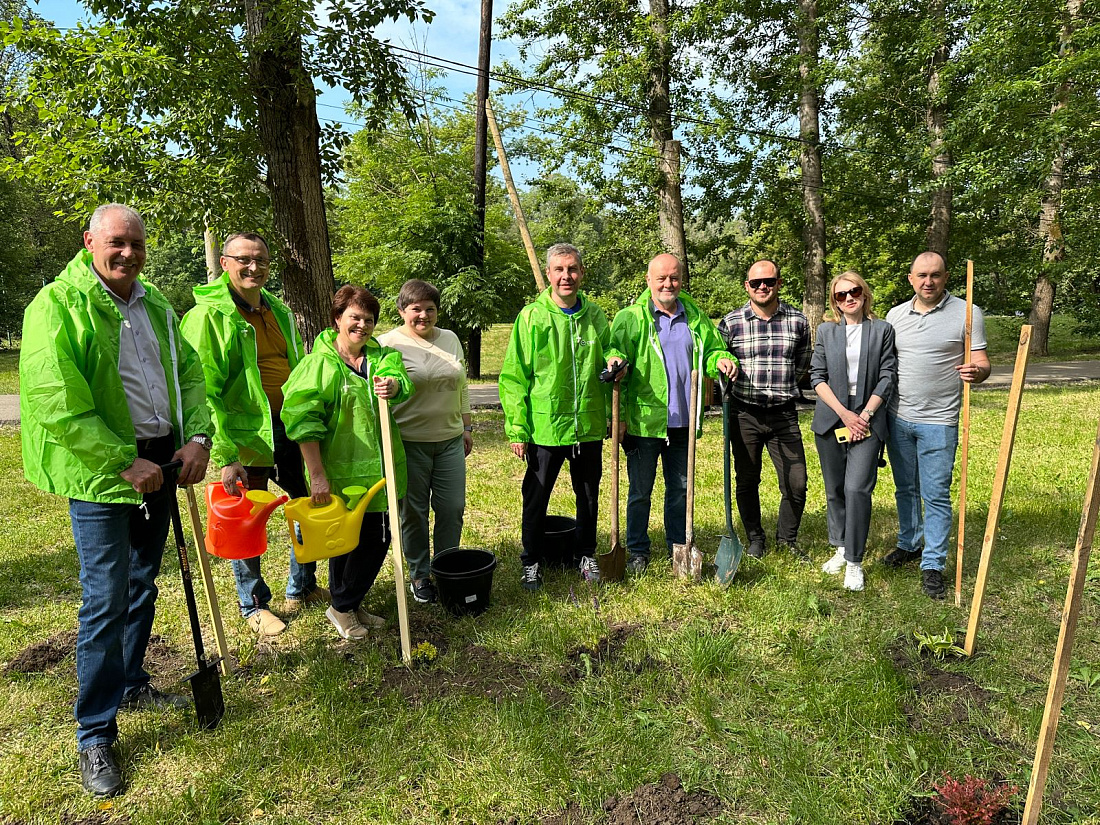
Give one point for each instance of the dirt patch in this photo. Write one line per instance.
(588, 660)
(929, 681)
(925, 811)
(481, 672)
(664, 802)
(98, 818)
(41, 656)
(165, 663)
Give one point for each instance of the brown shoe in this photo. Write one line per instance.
(369, 620)
(346, 624)
(266, 623)
(318, 595)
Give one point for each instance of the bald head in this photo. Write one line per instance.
(928, 261)
(928, 277)
(664, 277)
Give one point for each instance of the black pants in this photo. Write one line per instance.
(543, 465)
(288, 472)
(351, 575)
(776, 428)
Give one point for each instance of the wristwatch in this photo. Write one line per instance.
(203, 440)
(870, 413)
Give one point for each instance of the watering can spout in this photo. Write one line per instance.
(263, 504)
(360, 507)
(330, 530)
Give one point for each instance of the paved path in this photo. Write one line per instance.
(485, 395)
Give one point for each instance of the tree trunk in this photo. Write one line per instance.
(670, 205)
(1050, 224)
(813, 232)
(213, 263)
(290, 135)
(939, 228)
(481, 126)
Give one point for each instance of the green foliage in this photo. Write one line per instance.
(176, 265)
(937, 645)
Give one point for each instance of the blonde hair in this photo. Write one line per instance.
(834, 314)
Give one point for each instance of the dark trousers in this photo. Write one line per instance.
(776, 428)
(543, 465)
(351, 575)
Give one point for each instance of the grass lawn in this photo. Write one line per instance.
(9, 371)
(784, 697)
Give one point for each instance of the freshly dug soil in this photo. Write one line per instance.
(98, 818)
(608, 649)
(41, 656)
(926, 812)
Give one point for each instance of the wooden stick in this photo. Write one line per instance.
(1000, 480)
(1064, 652)
(513, 195)
(390, 470)
(208, 582)
(964, 458)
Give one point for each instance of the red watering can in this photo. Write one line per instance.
(237, 524)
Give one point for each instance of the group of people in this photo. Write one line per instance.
(113, 387)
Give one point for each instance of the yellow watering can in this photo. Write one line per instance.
(324, 532)
(237, 524)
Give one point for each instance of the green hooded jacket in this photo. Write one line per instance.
(226, 343)
(325, 401)
(645, 386)
(76, 427)
(549, 381)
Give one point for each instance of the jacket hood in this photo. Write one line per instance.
(216, 296)
(80, 274)
(546, 300)
(325, 344)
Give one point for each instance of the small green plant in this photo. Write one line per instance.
(1083, 673)
(424, 654)
(938, 646)
(972, 801)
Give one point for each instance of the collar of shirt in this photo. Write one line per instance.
(746, 310)
(913, 304)
(658, 313)
(243, 304)
(137, 292)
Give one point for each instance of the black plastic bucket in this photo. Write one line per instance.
(559, 539)
(464, 578)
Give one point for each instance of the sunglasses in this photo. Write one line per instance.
(770, 283)
(842, 296)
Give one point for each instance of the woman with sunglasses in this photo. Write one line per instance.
(854, 371)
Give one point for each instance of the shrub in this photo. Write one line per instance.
(973, 801)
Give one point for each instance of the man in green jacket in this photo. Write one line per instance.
(555, 408)
(248, 343)
(664, 336)
(108, 392)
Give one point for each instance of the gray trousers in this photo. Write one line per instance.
(850, 472)
(437, 481)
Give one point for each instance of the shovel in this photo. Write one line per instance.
(730, 550)
(613, 564)
(687, 561)
(206, 683)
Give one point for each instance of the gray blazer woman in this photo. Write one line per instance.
(854, 372)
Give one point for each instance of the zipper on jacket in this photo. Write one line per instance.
(576, 390)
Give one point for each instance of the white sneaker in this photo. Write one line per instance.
(835, 564)
(590, 570)
(853, 577)
(346, 624)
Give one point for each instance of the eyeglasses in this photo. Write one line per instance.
(246, 262)
(770, 283)
(842, 296)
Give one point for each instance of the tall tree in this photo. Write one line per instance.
(809, 132)
(939, 225)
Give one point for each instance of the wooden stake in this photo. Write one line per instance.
(1000, 480)
(1064, 652)
(398, 551)
(208, 582)
(964, 458)
(513, 195)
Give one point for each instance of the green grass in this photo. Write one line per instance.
(779, 695)
(1065, 343)
(9, 371)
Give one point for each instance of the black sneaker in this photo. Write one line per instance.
(931, 582)
(531, 578)
(637, 564)
(756, 548)
(900, 558)
(148, 696)
(796, 551)
(423, 591)
(99, 772)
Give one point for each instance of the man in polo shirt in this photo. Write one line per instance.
(771, 340)
(109, 392)
(924, 413)
(248, 343)
(664, 336)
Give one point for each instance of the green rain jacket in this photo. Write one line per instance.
(226, 343)
(549, 381)
(325, 401)
(645, 386)
(76, 427)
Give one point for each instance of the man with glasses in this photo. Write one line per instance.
(108, 393)
(248, 343)
(771, 341)
(924, 413)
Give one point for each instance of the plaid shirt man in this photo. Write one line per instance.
(774, 353)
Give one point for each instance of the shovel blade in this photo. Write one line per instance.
(687, 561)
(612, 564)
(206, 688)
(728, 559)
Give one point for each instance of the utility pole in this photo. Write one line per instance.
(473, 355)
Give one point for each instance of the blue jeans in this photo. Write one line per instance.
(437, 482)
(922, 457)
(641, 471)
(253, 594)
(120, 550)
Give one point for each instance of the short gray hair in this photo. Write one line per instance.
(95, 223)
(561, 249)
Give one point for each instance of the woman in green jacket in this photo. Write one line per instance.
(329, 408)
